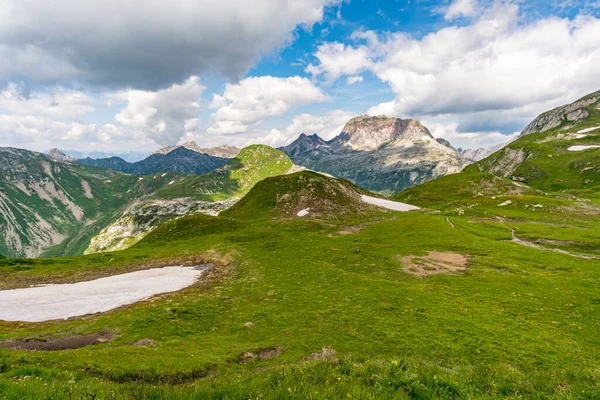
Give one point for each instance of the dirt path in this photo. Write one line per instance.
(532, 245)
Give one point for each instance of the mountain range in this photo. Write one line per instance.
(53, 204)
(179, 160)
(378, 153)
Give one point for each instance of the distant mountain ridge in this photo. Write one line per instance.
(180, 160)
(378, 153)
(223, 151)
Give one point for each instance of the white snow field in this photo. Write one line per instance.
(581, 148)
(390, 205)
(50, 302)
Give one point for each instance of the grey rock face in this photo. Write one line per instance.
(223, 151)
(142, 217)
(378, 153)
(573, 113)
(58, 154)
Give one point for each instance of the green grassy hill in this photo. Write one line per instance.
(251, 165)
(287, 195)
(294, 309)
(544, 157)
(209, 193)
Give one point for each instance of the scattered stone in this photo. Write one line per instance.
(326, 353)
(249, 325)
(145, 343)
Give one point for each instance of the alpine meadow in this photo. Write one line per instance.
(316, 199)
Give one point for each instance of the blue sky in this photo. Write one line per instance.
(104, 77)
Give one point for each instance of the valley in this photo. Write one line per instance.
(482, 283)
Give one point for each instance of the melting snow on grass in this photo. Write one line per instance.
(581, 148)
(50, 302)
(589, 129)
(390, 205)
(304, 212)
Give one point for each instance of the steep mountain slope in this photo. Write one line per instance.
(44, 201)
(304, 194)
(207, 194)
(558, 151)
(223, 151)
(378, 153)
(564, 116)
(180, 160)
(234, 179)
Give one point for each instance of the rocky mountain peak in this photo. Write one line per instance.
(58, 154)
(569, 114)
(223, 151)
(366, 133)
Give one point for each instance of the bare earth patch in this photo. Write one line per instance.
(52, 344)
(435, 263)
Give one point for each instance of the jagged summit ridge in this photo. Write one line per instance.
(368, 133)
(378, 153)
(223, 151)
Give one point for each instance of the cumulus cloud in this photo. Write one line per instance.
(337, 59)
(326, 126)
(461, 8)
(499, 63)
(164, 115)
(41, 133)
(146, 44)
(57, 102)
(253, 99)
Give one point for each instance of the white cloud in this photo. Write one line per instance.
(498, 64)
(467, 140)
(327, 126)
(42, 133)
(337, 59)
(144, 43)
(461, 8)
(164, 115)
(253, 99)
(351, 80)
(56, 103)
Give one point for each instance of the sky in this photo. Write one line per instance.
(120, 77)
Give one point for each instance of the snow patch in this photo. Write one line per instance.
(303, 213)
(589, 129)
(50, 302)
(163, 175)
(581, 148)
(172, 182)
(506, 203)
(390, 205)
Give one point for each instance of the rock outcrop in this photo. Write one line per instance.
(566, 115)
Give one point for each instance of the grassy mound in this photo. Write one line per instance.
(286, 196)
(251, 165)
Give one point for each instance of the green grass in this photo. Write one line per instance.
(251, 165)
(521, 323)
(548, 164)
